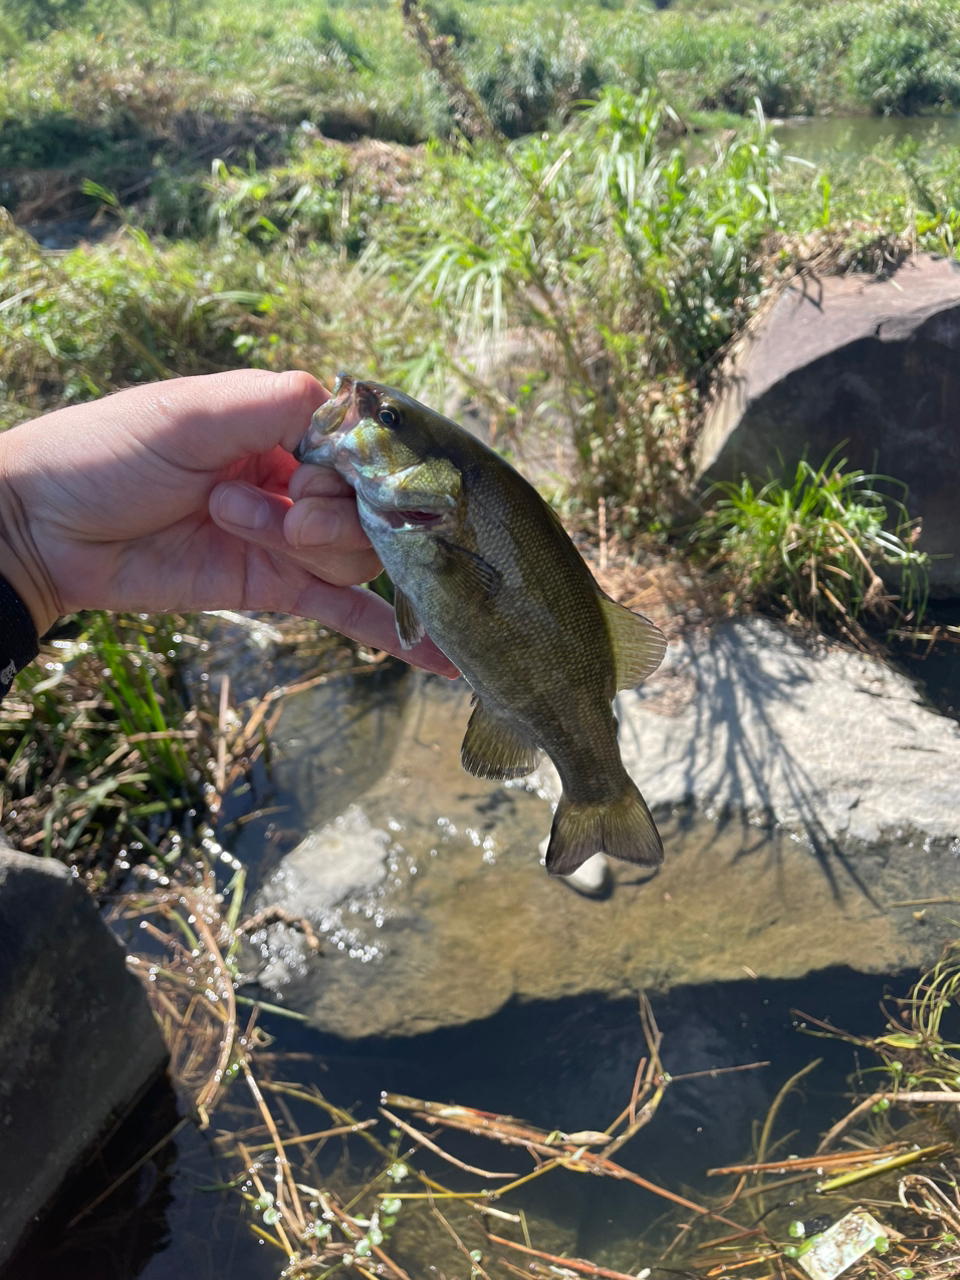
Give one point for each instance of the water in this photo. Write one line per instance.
(823, 138)
(462, 918)
(565, 1064)
(540, 986)
(935, 663)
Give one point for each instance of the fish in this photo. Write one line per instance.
(481, 563)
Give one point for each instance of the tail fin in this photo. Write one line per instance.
(622, 828)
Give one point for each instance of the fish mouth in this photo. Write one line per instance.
(410, 519)
(330, 419)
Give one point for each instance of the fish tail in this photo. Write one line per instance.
(622, 828)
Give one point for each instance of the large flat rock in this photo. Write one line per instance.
(78, 1043)
(806, 800)
(872, 363)
(831, 743)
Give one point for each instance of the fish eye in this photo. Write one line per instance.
(389, 417)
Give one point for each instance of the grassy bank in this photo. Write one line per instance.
(123, 92)
(607, 262)
(125, 69)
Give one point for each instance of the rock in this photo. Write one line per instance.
(870, 362)
(78, 1043)
(508, 399)
(805, 799)
(333, 872)
(591, 877)
(831, 743)
(344, 858)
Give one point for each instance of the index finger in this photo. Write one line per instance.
(209, 422)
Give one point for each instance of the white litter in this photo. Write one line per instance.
(830, 1254)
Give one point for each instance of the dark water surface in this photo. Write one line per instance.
(935, 662)
(568, 1064)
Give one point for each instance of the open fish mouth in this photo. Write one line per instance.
(331, 417)
(410, 519)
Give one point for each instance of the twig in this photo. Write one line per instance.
(922, 1097)
(212, 1087)
(814, 1162)
(424, 1141)
(476, 1269)
(873, 1171)
(718, 1071)
(575, 1264)
(253, 1167)
(349, 1228)
(138, 1164)
(284, 1163)
(568, 1154)
(778, 1102)
(834, 1132)
(304, 1138)
(278, 915)
(222, 735)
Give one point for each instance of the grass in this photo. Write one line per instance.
(103, 757)
(819, 547)
(115, 764)
(623, 257)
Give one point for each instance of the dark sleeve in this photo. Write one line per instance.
(18, 636)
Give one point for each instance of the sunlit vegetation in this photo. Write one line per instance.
(820, 544)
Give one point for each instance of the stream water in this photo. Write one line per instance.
(466, 974)
(568, 1064)
(821, 138)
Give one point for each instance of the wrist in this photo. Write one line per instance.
(20, 561)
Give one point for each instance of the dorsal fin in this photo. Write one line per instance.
(638, 645)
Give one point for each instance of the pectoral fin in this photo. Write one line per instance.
(638, 645)
(493, 749)
(409, 627)
(469, 574)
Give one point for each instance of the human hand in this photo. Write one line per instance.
(173, 496)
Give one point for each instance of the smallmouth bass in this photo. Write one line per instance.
(482, 564)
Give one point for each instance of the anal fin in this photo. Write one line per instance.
(492, 748)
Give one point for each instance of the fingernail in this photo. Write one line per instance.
(319, 528)
(245, 507)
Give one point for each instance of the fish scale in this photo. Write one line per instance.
(482, 564)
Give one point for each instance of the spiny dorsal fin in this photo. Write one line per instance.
(409, 627)
(493, 749)
(638, 645)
